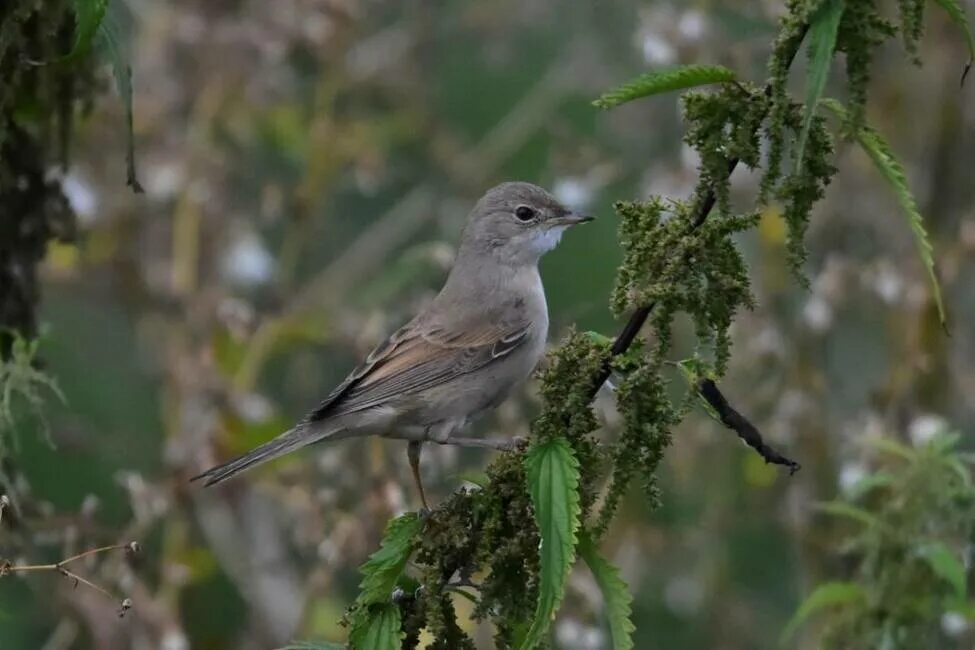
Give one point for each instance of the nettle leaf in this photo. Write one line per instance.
(872, 482)
(616, 595)
(946, 566)
(383, 568)
(110, 44)
(382, 630)
(829, 594)
(957, 15)
(88, 17)
(823, 29)
(654, 83)
(890, 168)
(849, 511)
(553, 482)
(892, 447)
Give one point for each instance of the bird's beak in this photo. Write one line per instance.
(573, 219)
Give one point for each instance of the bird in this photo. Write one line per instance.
(476, 341)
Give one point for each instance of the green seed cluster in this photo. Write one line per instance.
(724, 126)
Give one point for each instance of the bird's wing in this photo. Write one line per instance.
(420, 356)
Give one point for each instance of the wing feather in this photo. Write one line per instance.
(418, 357)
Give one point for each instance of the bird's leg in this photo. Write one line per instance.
(413, 451)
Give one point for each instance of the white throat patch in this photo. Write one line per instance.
(547, 239)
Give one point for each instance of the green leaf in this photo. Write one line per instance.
(961, 606)
(88, 16)
(110, 45)
(871, 482)
(381, 630)
(383, 568)
(957, 15)
(553, 481)
(829, 594)
(892, 447)
(653, 83)
(840, 509)
(480, 479)
(823, 29)
(946, 566)
(891, 169)
(693, 372)
(616, 595)
(599, 339)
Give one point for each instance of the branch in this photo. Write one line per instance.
(740, 425)
(7, 567)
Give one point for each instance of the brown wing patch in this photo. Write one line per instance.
(414, 359)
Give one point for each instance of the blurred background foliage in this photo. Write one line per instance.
(307, 166)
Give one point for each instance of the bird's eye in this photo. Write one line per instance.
(524, 213)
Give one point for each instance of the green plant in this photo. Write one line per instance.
(912, 520)
(20, 380)
(541, 507)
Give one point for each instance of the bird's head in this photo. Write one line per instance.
(517, 223)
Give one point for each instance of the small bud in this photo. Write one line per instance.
(125, 606)
(133, 548)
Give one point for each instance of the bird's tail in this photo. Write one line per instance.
(288, 441)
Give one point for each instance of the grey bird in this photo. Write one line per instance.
(480, 337)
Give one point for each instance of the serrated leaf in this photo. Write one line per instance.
(840, 509)
(957, 15)
(88, 16)
(381, 571)
(829, 594)
(654, 83)
(890, 168)
(109, 43)
(616, 595)
(381, 630)
(946, 566)
(553, 482)
(823, 28)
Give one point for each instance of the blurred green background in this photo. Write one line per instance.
(308, 165)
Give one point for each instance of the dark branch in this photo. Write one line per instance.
(740, 425)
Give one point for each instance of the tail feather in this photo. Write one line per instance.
(286, 442)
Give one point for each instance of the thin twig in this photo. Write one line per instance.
(125, 604)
